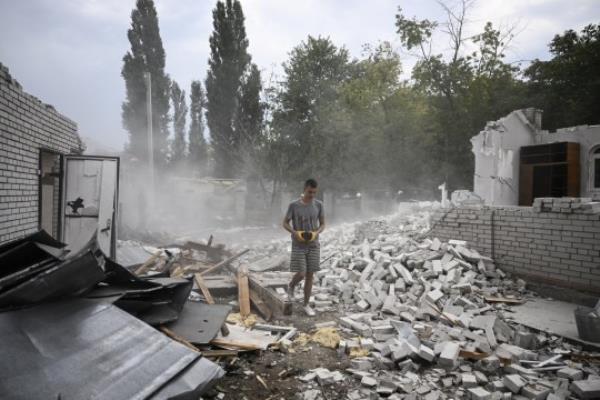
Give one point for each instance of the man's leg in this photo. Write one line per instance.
(297, 265)
(312, 265)
(296, 279)
(308, 284)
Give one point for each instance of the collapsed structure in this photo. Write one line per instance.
(516, 161)
(418, 317)
(430, 303)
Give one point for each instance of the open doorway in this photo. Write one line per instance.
(50, 192)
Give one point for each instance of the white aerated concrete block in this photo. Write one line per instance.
(449, 354)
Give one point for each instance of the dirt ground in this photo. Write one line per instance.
(241, 381)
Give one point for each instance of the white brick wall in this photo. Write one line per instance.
(561, 248)
(26, 126)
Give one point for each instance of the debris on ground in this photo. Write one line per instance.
(399, 315)
(420, 318)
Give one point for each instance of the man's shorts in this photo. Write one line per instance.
(305, 258)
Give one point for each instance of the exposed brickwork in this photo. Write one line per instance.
(561, 248)
(26, 126)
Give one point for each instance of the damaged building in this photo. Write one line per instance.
(74, 323)
(45, 180)
(516, 161)
(429, 302)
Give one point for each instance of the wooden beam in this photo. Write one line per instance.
(243, 291)
(178, 338)
(270, 297)
(209, 299)
(149, 262)
(203, 288)
(219, 353)
(224, 262)
(232, 343)
(261, 306)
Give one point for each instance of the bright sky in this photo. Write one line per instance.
(69, 52)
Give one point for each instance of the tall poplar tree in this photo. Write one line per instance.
(232, 88)
(146, 55)
(198, 148)
(180, 110)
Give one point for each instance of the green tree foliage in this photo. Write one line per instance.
(464, 90)
(232, 89)
(249, 118)
(306, 117)
(146, 55)
(180, 110)
(198, 148)
(567, 87)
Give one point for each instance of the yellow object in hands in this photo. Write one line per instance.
(306, 236)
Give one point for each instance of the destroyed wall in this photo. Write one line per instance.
(558, 245)
(497, 149)
(26, 126)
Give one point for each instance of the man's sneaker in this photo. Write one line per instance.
(309, 311)
(290, 293)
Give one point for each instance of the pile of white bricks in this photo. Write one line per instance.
(566, 205)
(424, 318)
(557, 248)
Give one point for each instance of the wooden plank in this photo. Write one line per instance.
(224, 262)
(243, 291)
(204, 289)
(220, 353)
(268, 263)
(209, 299)
(270, 297)
(232, 343)
(261, 306)
(178, 338)
(149, 262)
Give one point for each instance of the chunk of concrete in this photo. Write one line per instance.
(536, 392)
(570, 373)
(426, 353)
(449, 354)
(468, 380)
(479, 393)
(513, 382)
(368, 381)
(361, 364)
(435, 295)
(586, 390)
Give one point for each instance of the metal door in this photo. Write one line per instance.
(89, 204)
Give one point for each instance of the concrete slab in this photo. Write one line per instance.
(552, 316)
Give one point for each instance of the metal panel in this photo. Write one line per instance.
(191, 383)
(70, 277)
(199, 323)
(83, 349)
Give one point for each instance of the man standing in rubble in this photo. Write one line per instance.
(308, 221)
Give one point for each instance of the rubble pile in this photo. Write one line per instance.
(566, 205)
(90, 316)
(432, 320)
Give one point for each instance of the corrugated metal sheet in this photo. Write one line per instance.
(85, 349)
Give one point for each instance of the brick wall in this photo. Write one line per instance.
(26, 126)
(553, 245)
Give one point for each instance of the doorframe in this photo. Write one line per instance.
(65, 158)
(61, 174)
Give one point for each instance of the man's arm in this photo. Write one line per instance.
(286, 224)
(321, 224)
(321, 220)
